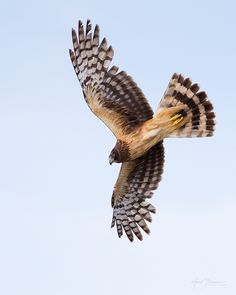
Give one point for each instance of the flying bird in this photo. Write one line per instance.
(114, 97)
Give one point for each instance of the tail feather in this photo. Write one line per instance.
(199, 109)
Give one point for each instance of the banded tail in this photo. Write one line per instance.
(195, 105)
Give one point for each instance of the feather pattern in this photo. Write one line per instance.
(181, 91)
(111, 94)
(136, 182)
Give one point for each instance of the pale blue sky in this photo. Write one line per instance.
(55, 179)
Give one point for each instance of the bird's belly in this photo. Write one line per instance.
(141, 143)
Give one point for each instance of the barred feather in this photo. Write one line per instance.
(112, 95)
(181, 91)
(136, 182)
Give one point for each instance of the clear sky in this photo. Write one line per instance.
(55, 179)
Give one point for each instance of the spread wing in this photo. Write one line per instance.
(112, 95)
(136, 182)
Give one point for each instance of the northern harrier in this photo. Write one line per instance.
(115, 98)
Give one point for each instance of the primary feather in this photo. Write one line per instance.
(112, 95)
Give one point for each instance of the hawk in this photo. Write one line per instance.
(115, 98)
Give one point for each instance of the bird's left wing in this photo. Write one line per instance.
(136, 181)
(112, 95)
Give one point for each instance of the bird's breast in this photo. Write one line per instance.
(144, 138)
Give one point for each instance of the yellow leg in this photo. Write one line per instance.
(176, 119)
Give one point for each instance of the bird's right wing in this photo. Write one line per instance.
(112, 96)
(136, 181)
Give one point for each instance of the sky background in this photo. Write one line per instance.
(55, 180)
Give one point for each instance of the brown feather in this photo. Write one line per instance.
(111, 95)
(136, 182)
(182, 93)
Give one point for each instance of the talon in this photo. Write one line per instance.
(177, 121)
(177, 118)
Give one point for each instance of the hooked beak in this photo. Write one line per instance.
(111, 159)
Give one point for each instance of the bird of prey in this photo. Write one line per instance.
(115, 98)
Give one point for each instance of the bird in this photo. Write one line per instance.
(114, 97)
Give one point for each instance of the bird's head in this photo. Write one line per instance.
(120, 153)
(114, 156)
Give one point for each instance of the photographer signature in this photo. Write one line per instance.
(207, 282)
